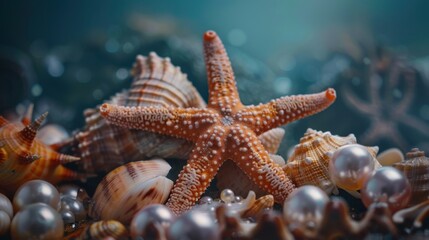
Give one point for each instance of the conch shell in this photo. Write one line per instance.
(416, 168)
(23, 157)
(157, 82)
(128, 188)
(309, 162)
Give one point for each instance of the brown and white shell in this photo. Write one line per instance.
(309, 161)
(416, 168)
(103, 146)
(106, 229)
(128, 188)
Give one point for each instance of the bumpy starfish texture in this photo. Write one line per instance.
(226, 129)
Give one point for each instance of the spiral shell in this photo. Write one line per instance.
(416, 169)
(127, 189)
(309, 161)
(157, 82)
(109, 229)
(24, 157)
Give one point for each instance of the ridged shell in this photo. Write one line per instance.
(24, 157)
(109, 229)
(230, 175)
(128, 188)
(309, 162)
(259, 207)
(416, 168)
(157, 82)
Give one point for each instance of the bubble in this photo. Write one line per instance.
(54, 66)
(282, 85)
(36, 90)
(121, 73)
(112, 46)
(237, 37)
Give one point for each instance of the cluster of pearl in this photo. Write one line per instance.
(351, 168)
(41, 210)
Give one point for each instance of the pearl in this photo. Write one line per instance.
(205, 200)
(67, 216)
(350, 166)
(4, 223)
(37, 221)
(387, 185)
(157, 214)
(304, 207)
(238, 199)
(6, 205)
(69, 190)
(74, 206)
(227, 195)
(36, 191)
(195, 225)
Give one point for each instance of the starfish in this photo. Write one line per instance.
(225, 129)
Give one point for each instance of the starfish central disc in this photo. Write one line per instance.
(227, 121)
(225, 130)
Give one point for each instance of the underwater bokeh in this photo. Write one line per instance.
(68, 56)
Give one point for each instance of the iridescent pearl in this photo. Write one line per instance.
(6, 205)
(205, 200)
(350, 166)
(74, 206)
(155, 214)
(67, 216)
(238, 199)
(387, 185)
(6, 214)
(227, 195)
(4, 223)
(195, 225)
(36, 191)
(304, 207)
(68, 190)
(37, 221)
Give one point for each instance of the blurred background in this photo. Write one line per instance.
(66, 56)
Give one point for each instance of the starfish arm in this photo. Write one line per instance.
(264, 117)
(184, 123)
(251, 157)
(203, 164)
(223, 92)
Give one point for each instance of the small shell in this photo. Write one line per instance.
(308, 164)
(260, 206)
(416, 168)
(230, 175)
(390, 157)
(157, 82)
(24, 157)
(109, 229)
(127, 189)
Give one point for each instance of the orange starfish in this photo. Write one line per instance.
(226, 129)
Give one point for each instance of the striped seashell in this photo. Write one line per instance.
(108, 229)
(24, 157)
(416, 168)
(157, 82)
(128, 188)
(309, 161)
(260, 206)
(230, 175)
